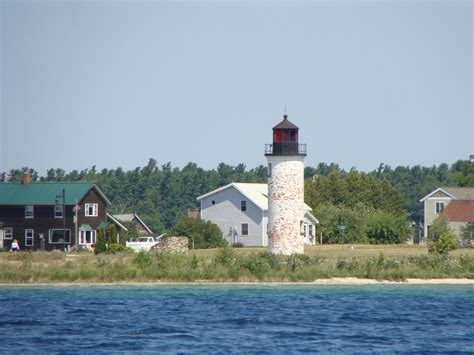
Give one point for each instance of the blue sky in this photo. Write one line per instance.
(113, 83)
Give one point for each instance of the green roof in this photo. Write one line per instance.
(44, 193)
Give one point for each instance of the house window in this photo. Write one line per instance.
(56, 236)
(439, 207)
(29, 237)
(58, 211)
(87, 237)
(269, 170)
(243, 205)
(304, 230)
(8, 233)
(29, 212)
(92, 210)
(310, 227)
(245, 229)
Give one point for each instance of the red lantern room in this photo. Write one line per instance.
(285, 140)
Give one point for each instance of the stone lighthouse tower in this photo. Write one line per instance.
(285, 158)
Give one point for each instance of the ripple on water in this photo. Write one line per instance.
(236, 318)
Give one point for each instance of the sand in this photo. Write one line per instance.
(329, 281)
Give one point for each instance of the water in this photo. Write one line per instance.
(237, 318)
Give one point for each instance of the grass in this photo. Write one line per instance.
(387, 262)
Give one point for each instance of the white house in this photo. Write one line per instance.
(241, 212)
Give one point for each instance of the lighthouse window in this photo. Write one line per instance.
(243, 205)
(293, 136)
(277, 136)
(269, 170)
(245, 229)
(302, 231)
(213, 202)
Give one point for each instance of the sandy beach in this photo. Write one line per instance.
(329, 281)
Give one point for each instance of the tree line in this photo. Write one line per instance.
(161, 194)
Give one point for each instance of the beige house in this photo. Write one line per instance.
(456, 203)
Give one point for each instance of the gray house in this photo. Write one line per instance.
(241, 212)
(456, 203)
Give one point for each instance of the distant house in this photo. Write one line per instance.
(129, 220)
(33, 213)
(241, 212)
(456, 203)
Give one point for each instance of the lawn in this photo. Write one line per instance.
(382, 262)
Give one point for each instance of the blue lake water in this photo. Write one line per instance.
(237, 318)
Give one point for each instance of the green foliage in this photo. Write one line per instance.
(387, 228)
(118, 248)
(225, 256)
(338, 188)
(101, 244)
(204, 234)
(467, 231)
(112, 234)
(441, 237)
(142, 259)
(161, 194)
(330, 217)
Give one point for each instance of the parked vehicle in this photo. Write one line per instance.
(142, 244)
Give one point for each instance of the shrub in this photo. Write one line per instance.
(118, 248)
(441, 237)
(238, 245)
(387, 228)
(204, 234)
(257, 265)
(142, 259)
(225, 256)
(297, 261)
(100, 246)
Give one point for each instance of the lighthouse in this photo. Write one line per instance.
(285, 157)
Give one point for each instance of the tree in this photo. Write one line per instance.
(101, 244)
(387, 228)
(204, 234)
(441, 237)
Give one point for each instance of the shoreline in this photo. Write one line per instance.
(348, 281)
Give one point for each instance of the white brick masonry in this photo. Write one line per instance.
(286, 204)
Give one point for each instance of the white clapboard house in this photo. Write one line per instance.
(241, 212)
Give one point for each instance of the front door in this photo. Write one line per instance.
(87, 237)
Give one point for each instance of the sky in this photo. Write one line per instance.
(114, 83)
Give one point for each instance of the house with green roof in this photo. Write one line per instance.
(51, 215)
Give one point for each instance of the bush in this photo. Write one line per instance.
(118, 248)
(441, 237)
(204, 233)
(387, 228)
(225, 256)
(238, 245)
(142, 259)
(446, 242)
(101, 245)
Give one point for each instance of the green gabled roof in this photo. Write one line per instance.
(44, 193)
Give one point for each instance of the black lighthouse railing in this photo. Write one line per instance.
(285, 148)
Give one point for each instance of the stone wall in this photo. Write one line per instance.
(172, 244)
(286, 205)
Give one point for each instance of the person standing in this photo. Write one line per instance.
(14, 247)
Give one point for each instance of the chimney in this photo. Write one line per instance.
(26, 178)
